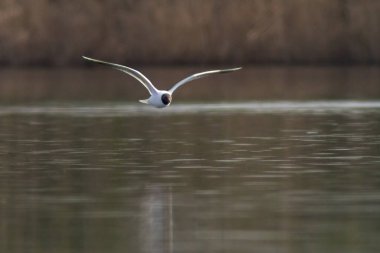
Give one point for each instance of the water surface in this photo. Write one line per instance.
(251, 83)
(219, 177)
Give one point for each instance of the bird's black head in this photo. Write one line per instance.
(166, 99)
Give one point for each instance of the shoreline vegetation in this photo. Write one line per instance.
(321, 32)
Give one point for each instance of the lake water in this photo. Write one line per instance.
(280, 176)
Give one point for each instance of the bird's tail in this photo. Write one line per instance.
(144, 101)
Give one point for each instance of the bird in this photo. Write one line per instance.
(159, 98)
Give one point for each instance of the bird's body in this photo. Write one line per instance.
(158, 98)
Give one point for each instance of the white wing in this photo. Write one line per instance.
(130, 71)
(200, 75)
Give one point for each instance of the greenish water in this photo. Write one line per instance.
(222, 177)
(21, 86)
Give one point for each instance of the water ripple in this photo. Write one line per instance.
(125, 110)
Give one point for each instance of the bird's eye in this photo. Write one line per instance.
(166, 99)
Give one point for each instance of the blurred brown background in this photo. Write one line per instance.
(58, 32)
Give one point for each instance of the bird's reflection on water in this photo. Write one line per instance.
(157, 220)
